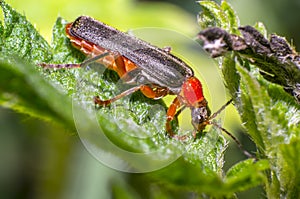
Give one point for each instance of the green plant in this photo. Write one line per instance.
(271, 116)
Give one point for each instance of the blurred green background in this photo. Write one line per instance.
(43, 160)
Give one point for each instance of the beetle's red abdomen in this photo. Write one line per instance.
(192, 91)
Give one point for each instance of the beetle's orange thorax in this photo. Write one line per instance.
(192, 92)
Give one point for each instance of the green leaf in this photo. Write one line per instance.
(242, 176)
(255, 108)
(271, 118)
(214, 15)
(20, 37)
(261, 112)
(23, 89)
(231, 16)
(231, 76)
(190, 178)
(269, 114)
(246, 174)
(49, 95)
(242, 101)
(211, 15)
(290, 165)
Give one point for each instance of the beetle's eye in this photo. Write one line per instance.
(200, 114)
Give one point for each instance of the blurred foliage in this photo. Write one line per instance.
(74, 173)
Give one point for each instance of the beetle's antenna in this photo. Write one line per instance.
(220, 110)
(93, 59)
(227, 132)
(246, 153)
(80, 65)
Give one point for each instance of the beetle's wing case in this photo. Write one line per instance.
(157, 66)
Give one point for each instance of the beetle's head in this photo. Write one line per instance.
(193, 98)
(200, 116)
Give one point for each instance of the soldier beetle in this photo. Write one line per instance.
(153, 71)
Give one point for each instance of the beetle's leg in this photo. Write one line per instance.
(155, 92)
(80, 65)
(179, 111)
(59, 66)
(120, 65)
(171, 114)
(146, 90)
(93, 59)
(100, 102)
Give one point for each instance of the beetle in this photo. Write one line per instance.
(152, 70)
